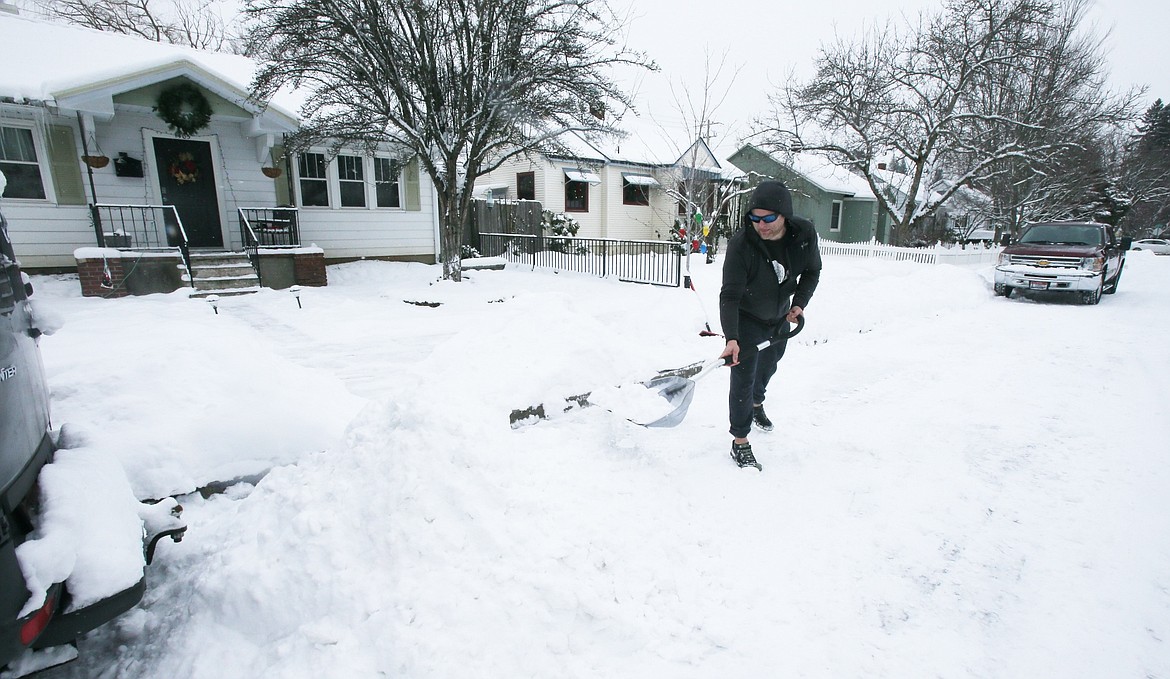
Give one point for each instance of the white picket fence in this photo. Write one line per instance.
(973, 255)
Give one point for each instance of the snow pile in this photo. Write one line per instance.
(89, 534)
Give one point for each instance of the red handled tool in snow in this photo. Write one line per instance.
(706, 332)
(680, 390)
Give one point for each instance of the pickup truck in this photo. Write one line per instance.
(1083, 258)
(47, 598)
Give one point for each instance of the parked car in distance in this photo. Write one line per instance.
(1158, 246)
(1083, 258)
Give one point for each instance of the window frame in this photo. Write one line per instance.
(396, 170)
(347, 169)
(629, 188)
(521, 177)
(838, 207)
(585, 200)
(369, 170)
(44, 171)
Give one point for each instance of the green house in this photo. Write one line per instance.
(838, 202)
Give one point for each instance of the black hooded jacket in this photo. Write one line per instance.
(750, 284)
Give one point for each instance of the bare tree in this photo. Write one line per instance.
(705, 198)
(1052, 105)
(974, 93)
(462, 85)
(194, 23)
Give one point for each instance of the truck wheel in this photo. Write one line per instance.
(1003, 290)
(1091, 296)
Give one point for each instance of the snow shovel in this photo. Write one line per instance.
(679, 391)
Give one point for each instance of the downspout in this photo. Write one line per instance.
(96, 219)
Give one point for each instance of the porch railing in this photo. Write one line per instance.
(141, 227)
(654, 262)
(267, 227)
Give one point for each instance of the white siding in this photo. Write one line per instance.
(45, 234)
(608, 216)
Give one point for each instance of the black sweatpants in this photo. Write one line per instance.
(749, 379)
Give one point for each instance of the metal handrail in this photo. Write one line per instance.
(136, 227)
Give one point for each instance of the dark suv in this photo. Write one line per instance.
(1084, 258)
(27, 445)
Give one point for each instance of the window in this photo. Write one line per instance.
(577, 183)
(18, 162)
(345, 182)
(576, 196)
(351, 181)
(835, 218)
(526, 186)
(386, 183)
(314, 181)
(636, 188)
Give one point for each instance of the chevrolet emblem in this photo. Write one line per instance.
(1044, 262)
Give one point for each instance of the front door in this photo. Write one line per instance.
(186, 177)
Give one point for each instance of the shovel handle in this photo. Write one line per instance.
(726, 360)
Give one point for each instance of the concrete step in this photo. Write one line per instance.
(221, 270)
(227, 282)
(199, 259)
(203, 294)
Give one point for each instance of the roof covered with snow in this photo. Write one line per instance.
(829, 177)
(73, 65)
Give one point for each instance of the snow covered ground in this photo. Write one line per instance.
(958, 485)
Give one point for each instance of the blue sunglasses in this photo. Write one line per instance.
(767, 219)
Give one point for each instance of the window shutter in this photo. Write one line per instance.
(410, 181)
(65, 166)
(281, 182)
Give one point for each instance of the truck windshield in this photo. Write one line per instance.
(1062, 234)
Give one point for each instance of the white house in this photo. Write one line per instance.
(68, 93)
(621, 189)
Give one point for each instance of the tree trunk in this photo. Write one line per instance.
(451, 217)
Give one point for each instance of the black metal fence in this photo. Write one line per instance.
(654, 262)
(268, 227)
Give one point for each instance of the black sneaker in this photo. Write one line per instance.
(742, 454)
(760, 418)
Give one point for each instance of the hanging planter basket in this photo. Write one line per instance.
(96, 162)
(184, 108)
(272, 172)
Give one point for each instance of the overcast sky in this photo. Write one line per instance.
(766, 40)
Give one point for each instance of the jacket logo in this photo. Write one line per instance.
(7, 372)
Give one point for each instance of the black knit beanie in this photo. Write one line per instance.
(772, 196)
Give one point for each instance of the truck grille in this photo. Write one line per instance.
(1040, 261)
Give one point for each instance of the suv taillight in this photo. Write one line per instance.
(37, 622)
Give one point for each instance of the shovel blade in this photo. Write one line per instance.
(678, 391)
